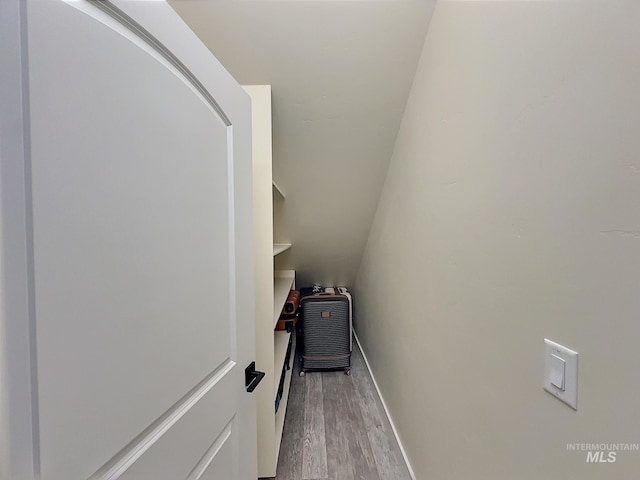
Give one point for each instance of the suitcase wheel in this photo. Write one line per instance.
(347, 371)
(302, 373)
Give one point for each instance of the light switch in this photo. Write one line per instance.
(561, 372)
(557, 372)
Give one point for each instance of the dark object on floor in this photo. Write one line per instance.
(326, 332)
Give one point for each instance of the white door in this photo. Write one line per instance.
(138, 248)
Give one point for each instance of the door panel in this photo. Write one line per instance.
(137, 227)
(216, 468)
(187, 442)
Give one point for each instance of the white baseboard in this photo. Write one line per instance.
(386, 410)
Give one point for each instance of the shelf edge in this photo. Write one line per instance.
(278, 248)
(275, 185)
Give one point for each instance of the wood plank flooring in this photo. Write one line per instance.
(336, 429)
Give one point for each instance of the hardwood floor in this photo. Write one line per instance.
(336, 429)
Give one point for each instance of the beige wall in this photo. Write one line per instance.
(510, 213)
(340, 73)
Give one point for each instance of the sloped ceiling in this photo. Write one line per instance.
(340, 73)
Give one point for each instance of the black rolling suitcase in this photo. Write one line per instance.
(326, 332)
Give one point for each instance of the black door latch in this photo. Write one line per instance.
(252, 377)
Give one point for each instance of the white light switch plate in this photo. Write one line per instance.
(553, 351)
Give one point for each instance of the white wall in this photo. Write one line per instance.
(510, 213)
(263, 261)
(340, 74)
(16, 444)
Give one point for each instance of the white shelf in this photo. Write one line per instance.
(275, 185)
(272, 287)
(282, 283)
(280, 414)
(278, 248)
(280, 344)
